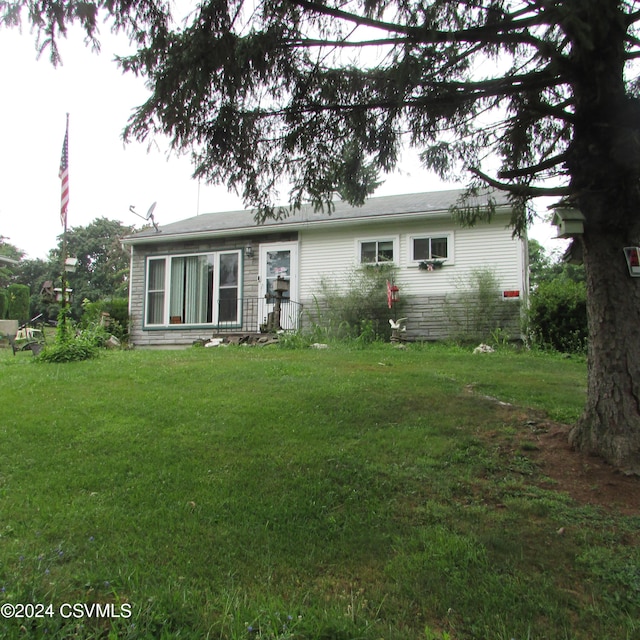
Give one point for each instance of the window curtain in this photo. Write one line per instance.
(196, 293)
(176, 302)
(190, 290)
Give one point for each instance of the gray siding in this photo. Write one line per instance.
(177, 336)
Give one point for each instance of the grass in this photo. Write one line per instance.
(277, 494)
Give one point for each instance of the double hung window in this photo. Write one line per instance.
(155, 291)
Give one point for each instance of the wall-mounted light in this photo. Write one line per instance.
(248, 251)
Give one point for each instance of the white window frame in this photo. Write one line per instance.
(377, 239)
(166, 320)
(431, 236)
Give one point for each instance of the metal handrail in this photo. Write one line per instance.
(252, 317)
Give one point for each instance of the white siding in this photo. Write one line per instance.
(333, 254)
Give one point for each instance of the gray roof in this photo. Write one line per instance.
(435, 203)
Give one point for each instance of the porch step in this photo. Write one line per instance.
(249, 339)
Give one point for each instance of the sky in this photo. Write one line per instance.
(106, 176)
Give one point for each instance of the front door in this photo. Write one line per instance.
(279, 260)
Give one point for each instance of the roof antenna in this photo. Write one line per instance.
(149, 215)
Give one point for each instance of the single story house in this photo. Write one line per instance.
(218, 272)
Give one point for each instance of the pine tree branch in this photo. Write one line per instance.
(310, 42)
(521, 190)
(554, 110)
(438, 94)
(633, 18)
(503, 32)
(549, 163)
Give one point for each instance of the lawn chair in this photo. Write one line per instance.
(28, 338)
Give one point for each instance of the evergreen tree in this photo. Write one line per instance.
(323, 93)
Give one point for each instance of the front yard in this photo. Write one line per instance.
(240, 493)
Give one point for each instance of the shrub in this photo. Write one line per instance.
(70, 346)
(4, 303)
(558, 315)
(77, 348)
(118, 310)
(361, 311)
(19, 297)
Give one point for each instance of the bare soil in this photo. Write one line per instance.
(587, 479)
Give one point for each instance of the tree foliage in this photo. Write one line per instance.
(324, 93)
(18, 299)
(103, 264)
(535, 97)
(545, 267)
(102, 272)
(558, 315)
(7, 268)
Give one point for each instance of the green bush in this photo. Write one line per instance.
(19, 298)
(69, 345)
(118, 310)
(558, 315)
(4, 303)
(72, 350)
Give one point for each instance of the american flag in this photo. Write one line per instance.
(64, 177)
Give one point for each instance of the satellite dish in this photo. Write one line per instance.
(149, 215)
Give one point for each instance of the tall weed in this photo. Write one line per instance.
(477, 313)
(358, 311)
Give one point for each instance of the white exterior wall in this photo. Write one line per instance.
(332, 254)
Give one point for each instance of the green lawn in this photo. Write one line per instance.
(247, 493)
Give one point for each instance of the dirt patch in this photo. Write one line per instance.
(587, 479)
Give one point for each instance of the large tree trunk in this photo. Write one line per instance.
(610, 425)
(604, 162)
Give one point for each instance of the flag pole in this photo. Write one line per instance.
(64, 206)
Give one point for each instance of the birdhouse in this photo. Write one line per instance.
(47, 291)
(569, 222)
(58, 294)
(281, 285)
